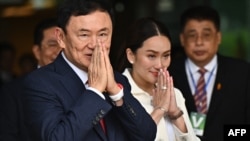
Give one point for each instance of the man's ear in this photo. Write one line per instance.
(60, 36)
(36, 51)
(219, 37)
(130, 56)
(181, 36)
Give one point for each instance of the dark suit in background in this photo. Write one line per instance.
(229, 86)
(230, 97)
(12, 127)
(45, 49)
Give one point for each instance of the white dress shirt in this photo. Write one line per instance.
(193, 76)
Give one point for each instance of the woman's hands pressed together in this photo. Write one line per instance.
(164, 100)
(163, 94)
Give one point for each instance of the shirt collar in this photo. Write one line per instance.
(135, 89)
(209, 67)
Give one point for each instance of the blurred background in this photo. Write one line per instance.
(19, 17)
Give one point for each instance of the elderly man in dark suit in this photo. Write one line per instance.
(223, 93)
(78, 96)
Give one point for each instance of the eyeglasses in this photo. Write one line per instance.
(194, 36)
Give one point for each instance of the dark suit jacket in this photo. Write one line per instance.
(59, 108)
(12, 126)
(229, 104)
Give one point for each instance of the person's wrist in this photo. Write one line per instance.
(115, 89)
(176, 115)
(118, 96)
(120, 85)
(162, 109)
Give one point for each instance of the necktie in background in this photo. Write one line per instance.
(200, 96)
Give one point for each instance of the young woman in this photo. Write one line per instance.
(145, 63)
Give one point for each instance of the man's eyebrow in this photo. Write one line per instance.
(207, 29)
(103, 29)
(191, 31)
(83, 29)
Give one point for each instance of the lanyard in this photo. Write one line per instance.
(206, 83)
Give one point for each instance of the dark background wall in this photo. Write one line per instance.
(16, 26)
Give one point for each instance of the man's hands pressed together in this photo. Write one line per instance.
(100, 72)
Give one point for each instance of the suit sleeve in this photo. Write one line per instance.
(55, 113)
(134, 117)
(60, 109)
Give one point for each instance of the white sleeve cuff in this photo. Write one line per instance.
(97, 92)
(118, 96)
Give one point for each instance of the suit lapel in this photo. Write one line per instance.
(217, 94)
(179, 74)
(71, 82)
(187, 91)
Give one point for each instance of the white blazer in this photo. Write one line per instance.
(166, 130)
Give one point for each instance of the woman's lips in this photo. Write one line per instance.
(155, 74)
